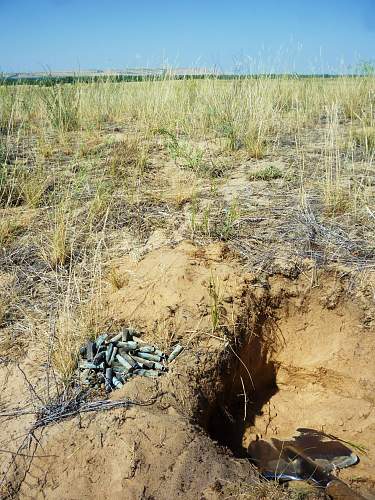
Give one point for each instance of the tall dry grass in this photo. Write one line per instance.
(54, 160)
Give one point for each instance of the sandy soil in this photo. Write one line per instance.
(297, 345)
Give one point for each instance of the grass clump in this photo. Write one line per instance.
(100, 205)
(9, 229)
(77, 322)
(268, 173)
(62, 106)
(56, 248)
(8, 298)
(365, 138)
(32, 186)
(256, 144)
(115, 278)
(127, 158)
(190, 157)
(9, 189)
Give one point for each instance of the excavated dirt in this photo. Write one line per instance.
(263, 356)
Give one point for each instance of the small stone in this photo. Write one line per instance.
(84, 376)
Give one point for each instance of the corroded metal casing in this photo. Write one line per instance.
(100, 340)
(108, 379)
(108, 353)
(147, 373)
(130, 345)
(176, 351)
(143, 362)
(124, 362)
(146, 348)
(128, 358)
(86, 365)
(117, 384)
(127, 334)
(90, 350)
(160, 367)
(113, 355)
(150, 357)
(116, 338)
(99, 358)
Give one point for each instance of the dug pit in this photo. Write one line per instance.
(306, 362)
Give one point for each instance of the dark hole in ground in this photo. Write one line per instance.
(249, 384)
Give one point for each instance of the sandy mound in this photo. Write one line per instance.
(169, 292)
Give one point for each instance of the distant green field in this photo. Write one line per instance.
(53, 80)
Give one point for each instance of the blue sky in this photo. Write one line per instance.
(271, 35)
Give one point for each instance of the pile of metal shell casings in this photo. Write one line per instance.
(112, 360)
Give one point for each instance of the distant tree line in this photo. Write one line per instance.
(46, 81)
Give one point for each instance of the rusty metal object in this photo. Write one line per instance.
(147, 373)
(176, 351)
(108, 379)
(113, 356)
(117, 384)
(124, 362)
(100, 340)
(130, 345)
(99, 358)
(90, 351)
(147, 348)
(115, 338)
(338, 490)
(143, 362)
(149, 357)
(112, 361)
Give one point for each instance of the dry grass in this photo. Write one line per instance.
(9, 229)
(8, 298)
(56, 247)
(32, 186)
(269, 491)
(115, 278)
(129, 158)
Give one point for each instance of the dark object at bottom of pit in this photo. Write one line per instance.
(312, 456)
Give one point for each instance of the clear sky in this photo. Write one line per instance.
(269, 35)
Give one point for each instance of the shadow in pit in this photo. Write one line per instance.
(248, 385)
